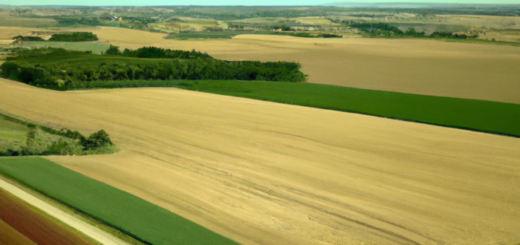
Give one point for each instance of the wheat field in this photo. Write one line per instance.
(430, 67)
(267, 173)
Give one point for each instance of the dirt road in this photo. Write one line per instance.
(47, 237)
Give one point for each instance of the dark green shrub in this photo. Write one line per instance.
(8, 68)
(324, 35)
(96, 140)
(29, 75)
(113, 50)
(74, 37)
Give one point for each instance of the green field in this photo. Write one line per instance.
(485, 116)
(477, 115)
(6, 20)
(134, 216)
(95, 47)
(12, 135)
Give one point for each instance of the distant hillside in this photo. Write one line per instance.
(419, 5)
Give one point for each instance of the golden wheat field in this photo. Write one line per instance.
(267, 173)
(475, 71)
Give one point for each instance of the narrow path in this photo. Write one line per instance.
(87, 229)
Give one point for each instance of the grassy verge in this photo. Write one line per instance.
(136, 217)
(18, 137)
(477, 115)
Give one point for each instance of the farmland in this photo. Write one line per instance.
(452, 112)
(144, 221)
(34, 226)
(271, 162)
(426, 67)
(12, 135)
(7, 20)
(352, 169)
(475, 115)
(9, 235)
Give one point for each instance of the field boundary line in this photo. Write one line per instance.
(87, 229)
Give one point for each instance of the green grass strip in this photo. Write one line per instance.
(477, 115)
(134, 216)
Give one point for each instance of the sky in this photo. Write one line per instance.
(227, 2)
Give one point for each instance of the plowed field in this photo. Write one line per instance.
(33, 225)
(474, 71)
(267, 173)
(10, 236)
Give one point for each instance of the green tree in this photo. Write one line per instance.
(113, 50)
(410, 31)
(96, 140)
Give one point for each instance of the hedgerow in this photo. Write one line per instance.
(61, 69)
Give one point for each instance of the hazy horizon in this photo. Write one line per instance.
(236, 2)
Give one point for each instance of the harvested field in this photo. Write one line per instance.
(33, 225)
(267, 173)
(473, 71)
(144, 221)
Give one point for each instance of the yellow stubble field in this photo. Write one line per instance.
(475, 71)
(267, 173)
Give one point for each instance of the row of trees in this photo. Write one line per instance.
(28, 38)
(156, 53)
(68, 21)
(74, 37)
(376, 28)
(56, 73)
(386, 30)
(453, 35)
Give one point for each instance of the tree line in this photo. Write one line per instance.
(386, 30)
(28, 38)
(65, 37)
(156, 53)
(74, 37)
(51, 68)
